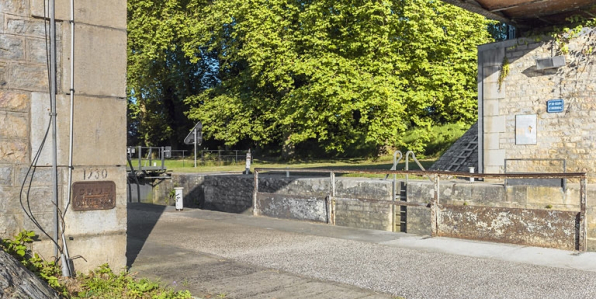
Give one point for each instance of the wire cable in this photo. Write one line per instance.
(33, 166)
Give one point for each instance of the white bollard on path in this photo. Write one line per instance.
(179, 198)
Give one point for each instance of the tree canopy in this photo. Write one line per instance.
(339, 74)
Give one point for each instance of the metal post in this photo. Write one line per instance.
(163, 155)
(407, 167)
(332, 200)
(248, 160)
(255, 208)
(195, 147)
(393, 198)
(583, 228)
(434, 208)
(52, 6)
(140, 158)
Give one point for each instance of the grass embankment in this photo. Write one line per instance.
(383, 163)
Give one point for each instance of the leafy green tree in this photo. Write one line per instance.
(160, 74)
(339, 73)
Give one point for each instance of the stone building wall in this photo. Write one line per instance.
(99, 122)
(568, 135)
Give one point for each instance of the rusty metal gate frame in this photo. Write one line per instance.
(434, 205)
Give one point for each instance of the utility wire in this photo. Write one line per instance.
(33, 166)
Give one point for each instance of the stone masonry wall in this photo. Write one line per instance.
(569, 135)
(99, 122)
(305, 199)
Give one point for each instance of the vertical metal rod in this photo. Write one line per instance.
(331, 202)
(140, 158)
(162, 154)
(195, 147)
(407, 167)
(52, 9)
(583, 229)
(434, 208)
(254, 194)
(66, 266)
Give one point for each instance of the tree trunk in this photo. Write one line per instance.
(16, 281)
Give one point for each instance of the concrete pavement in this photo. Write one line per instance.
(257, 257)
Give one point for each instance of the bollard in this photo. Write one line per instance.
(248, 158)
(471, 171)
(179, 198)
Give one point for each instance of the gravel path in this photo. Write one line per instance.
(399, 271)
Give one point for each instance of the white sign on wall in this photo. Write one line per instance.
(525, 129)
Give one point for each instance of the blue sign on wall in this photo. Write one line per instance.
(555, 106)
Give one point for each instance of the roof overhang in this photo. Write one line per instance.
(528, 14)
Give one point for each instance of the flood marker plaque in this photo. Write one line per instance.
(98, 195)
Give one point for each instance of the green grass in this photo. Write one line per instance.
(383, 163)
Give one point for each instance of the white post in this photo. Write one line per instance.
(471, 171)
(248, 158)
(179, 198)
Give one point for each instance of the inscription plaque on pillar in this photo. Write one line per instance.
(98, 195)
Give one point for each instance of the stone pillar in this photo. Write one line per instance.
(99, 122)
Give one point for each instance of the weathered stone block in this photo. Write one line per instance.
(6, 175)
(29, 27)
(62, 9)
(491, 73)
(16, 7)
(13, 101)
(13, 151)
(41, 176)
(100, 61)
(13, 124)
(39, 199)
(11, 48)
(40, 117)
(358, 188)
(491, 107)
(45, 220)
(100, 137)
(418, 221)
(494, 124)
(541, 196)
(517, 195)
(96, 251)
(492, 141)
(36, 50)
(28, 77)
(3, 75)
(106, 13)
(8, 226)
(494, 157)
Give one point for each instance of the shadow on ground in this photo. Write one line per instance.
(141, 219)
